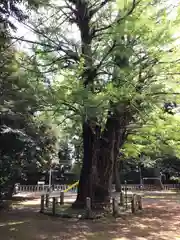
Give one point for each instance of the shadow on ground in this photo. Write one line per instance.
(159, 221)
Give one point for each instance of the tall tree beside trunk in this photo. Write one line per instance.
(101, 158)
(119, 64)
(100, 147)
(117, 179)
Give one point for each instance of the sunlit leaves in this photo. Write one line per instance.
(157, 137)
(136, 73)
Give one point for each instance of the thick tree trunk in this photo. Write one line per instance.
(117, 177)
(105, 162)
(96, 173)
(91, 136)
(84, 183)
(100, 155)
(121, 135)
(119, 142)
(112, 139)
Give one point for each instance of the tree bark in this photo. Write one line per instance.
(83, 190)
(117, 177)
(90, 150)
(112, 139)
(105, 162)
(101, 150)
(121, 135)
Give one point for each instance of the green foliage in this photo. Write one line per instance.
(143, 37)
(132, 64)
(26, 143)
(13, 9)
(139, 73)
(157, 139)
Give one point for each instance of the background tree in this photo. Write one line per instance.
(111, 77)
(107, 77)
(26, 142)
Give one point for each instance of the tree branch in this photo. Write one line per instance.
(134, 4)
(33, 42)
(106, 55)
(101, 5)
(164, 93)
(72, 55)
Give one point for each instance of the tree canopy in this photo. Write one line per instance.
(106, 74)
(27, 142)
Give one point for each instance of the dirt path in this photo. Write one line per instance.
(159, 221)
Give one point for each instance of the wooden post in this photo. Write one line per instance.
(47, 200)
(133, 203)
(54, 206)
(42, 204)
(114, 207)
(121, 199)
(125, 190)
(61, 198)
(88, 208)
(139, 202)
